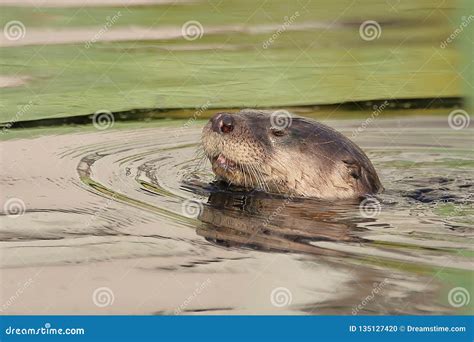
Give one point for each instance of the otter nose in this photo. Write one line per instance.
(223, 123)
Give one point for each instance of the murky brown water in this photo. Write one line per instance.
(132, 211)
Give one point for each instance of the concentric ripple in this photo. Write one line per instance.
(107, 209)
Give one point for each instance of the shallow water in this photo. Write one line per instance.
(133, 211)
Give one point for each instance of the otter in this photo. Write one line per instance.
(280, 153)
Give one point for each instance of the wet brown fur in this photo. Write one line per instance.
(306, 159)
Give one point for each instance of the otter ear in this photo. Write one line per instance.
(368, 181)
(353, 168)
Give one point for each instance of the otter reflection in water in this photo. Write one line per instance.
(268, 222)
(285, 154)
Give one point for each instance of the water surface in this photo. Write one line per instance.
(132, 209)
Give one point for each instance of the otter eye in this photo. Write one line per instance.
(278, 132)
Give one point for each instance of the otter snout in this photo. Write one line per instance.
(222, 123)
(307, 158)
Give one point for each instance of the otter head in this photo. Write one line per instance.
(284, 154)
(240, 146)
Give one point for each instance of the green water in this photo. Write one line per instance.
(327, 62)
(104, 207)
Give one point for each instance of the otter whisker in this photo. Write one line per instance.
(262, 183)
(253, 174)
(306, 158)
(200, 156)
(250, 173)
(241, 168)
